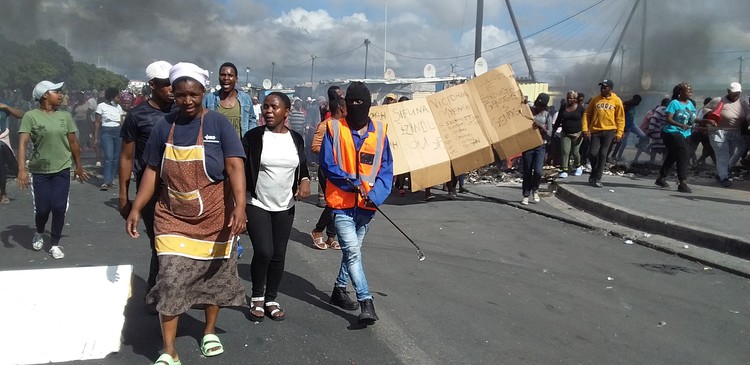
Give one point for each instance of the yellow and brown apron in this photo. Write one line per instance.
(191, 216)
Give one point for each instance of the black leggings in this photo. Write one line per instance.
(269, 234)
(677, 151)
(50, 193)
(8, 165)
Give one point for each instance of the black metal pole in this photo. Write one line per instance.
(478, 30)
(619, 41)
(520, 41)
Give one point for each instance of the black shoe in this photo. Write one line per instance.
(340, 298)
(684, 188)
(596, 184)
(662, 182)
(367, 316)
(726, 183)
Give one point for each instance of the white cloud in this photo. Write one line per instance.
(307, 21)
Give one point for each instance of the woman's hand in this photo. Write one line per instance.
(238, 220)
(587, 135)
(131, 224)
(303, 191)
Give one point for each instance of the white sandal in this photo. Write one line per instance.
(272, 313)
(254, 308)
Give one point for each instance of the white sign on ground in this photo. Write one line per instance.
(67, 314)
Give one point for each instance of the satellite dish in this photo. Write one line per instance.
(279, 86)
(429, 71)
(480, 66)
(249, 85)
(389, 74)
(267, 84)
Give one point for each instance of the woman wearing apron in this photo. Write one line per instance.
(198, 157)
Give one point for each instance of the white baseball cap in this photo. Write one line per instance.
(43, 86)
(158, 70)
(735, 87)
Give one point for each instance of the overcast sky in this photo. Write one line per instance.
(690, 40)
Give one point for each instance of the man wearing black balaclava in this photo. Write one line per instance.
(356, 160)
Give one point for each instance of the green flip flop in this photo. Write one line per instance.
(166, 359)
(211, 345)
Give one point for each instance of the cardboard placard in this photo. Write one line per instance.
(458, 122)
(505, 118)
(413, 134)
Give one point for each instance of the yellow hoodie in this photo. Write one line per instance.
(605, 114)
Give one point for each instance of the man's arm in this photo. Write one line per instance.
(384, 179)
(14, 112)
(619, 120)
(126, 168)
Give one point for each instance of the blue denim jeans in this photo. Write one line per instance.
(533, 163)
(111, 143)
(351, 230)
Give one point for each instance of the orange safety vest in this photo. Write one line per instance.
(362, 165)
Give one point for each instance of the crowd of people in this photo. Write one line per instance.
(594, 135)
(211, 166)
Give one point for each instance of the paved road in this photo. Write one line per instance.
(499, 286)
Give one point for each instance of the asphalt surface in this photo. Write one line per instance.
(500, 285)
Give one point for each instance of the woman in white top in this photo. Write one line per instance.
(277, 175)
(107, 132)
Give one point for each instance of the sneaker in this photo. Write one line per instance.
(104, 187)
(525, 200)
(428, 197)
(98, 164)
(579, 171)
(535, 196)
(726, 183)
(662, 182)
(37, 242)
(562, 175)
(463, 190)
(684, 188)
(56, 252)
(587, 168)
(597, 184)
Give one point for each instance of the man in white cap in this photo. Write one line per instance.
(726, 138)
(134, 133)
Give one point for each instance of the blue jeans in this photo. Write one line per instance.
(111, 144)
(533, 163)
(351, 230)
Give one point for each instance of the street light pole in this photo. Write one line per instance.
(312, 69)
(247, 74)
(273, 68)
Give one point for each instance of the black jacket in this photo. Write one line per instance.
(253, 144)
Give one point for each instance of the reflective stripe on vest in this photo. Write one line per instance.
(349, 161)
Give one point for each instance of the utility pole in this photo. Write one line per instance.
(619, 40)
(247, 74)
(312, 69)
(520, 42)
(273, 68)
(385, 41)
(367, 50)
(643, 45)
(622, 57)
(478, 30)
(741, 59)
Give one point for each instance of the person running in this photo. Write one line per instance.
(357, 162)
(602, 123)
(8, 164)
(325, 221)
(681, 116)
(107, 133)
(55, 148)
(726, 137)
(277, 176)
(135, 132)
(533, 159)
(198, 156)
(569, 119)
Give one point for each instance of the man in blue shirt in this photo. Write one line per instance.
(356, 160)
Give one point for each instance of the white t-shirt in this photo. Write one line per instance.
(278, 161)
(256, 109)
(111, 114)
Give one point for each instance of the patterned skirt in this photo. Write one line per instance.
(183, 282)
